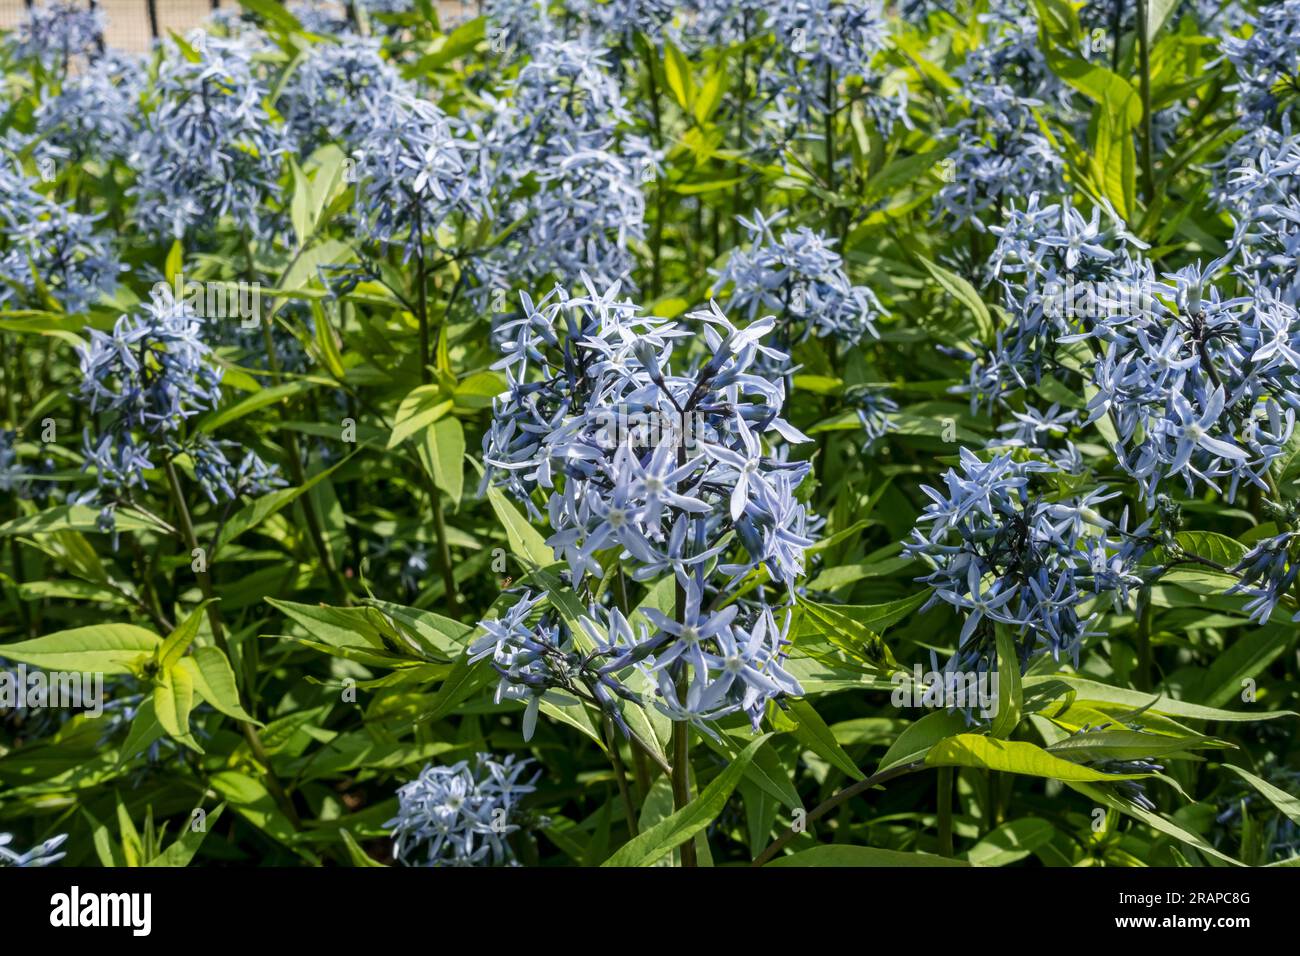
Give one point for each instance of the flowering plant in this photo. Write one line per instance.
(597, 432)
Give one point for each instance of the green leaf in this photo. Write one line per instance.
(300, 204)
(850, 635)
(145, 729)
(1286, 803)
(179, 640)
(677, 71)
(73, 518)
(214, 679)
(1104, 797)
(443, 454)
(812, 732)
(175, 264)
(1127, 745)
(464, 679)
(273, 14)
(526, 542)
(254, 513)
(649, 846)
(1114, 157)
(1094, 690)
(258, 400)
(964, 293)
(103, 648)
(1011, 842)
(187, 844)
(1158, 12)
(1010, 693)
(917, 740)
(253, 802)
(844, 855)
(422, 406)
(766, 771)
(355, 853)
(1219, 548)
(173, 699)
(1013, 756)
(1245, 658)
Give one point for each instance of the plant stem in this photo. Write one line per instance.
(836, 218)
(681, 777)
(315, 530)
(620, 775)
(444, 551)
(1116, 29)
(830, 803)
(1142, 676)
(944, 794)
(681, 773)
(435, 496)
(1144, 65)
(656, 275)
(273, 785)
(737, 195)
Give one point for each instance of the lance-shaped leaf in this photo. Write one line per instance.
(100, 648)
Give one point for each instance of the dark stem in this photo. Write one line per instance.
(944, 784)
(830, 803)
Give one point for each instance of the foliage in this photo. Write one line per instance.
(625, 433)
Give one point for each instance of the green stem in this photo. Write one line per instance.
(435, 496)
(829, 132)
(944, 785)
(273, 785)
(315, 530)
(656, 245)
(1144, 65)
(620, 775)
(1142, 677)
(681, 776)
(833, 801)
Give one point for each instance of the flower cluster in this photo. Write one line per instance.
(800, 278)
(1001, 152)
(1259, 180)
(662, 465)
(1132, 790)
(1064, 277)
(460, 815)
(1260, 189)
(57, 33)
(95, 112)
(563, 169)
(1267, 63)
(1266, 573)
(1195, 385)
(338, 92)
(149, 376)
(819, 42)
(208, 148)
(416, 173)
(42, 237)
(318, 17)
(1008, 548)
